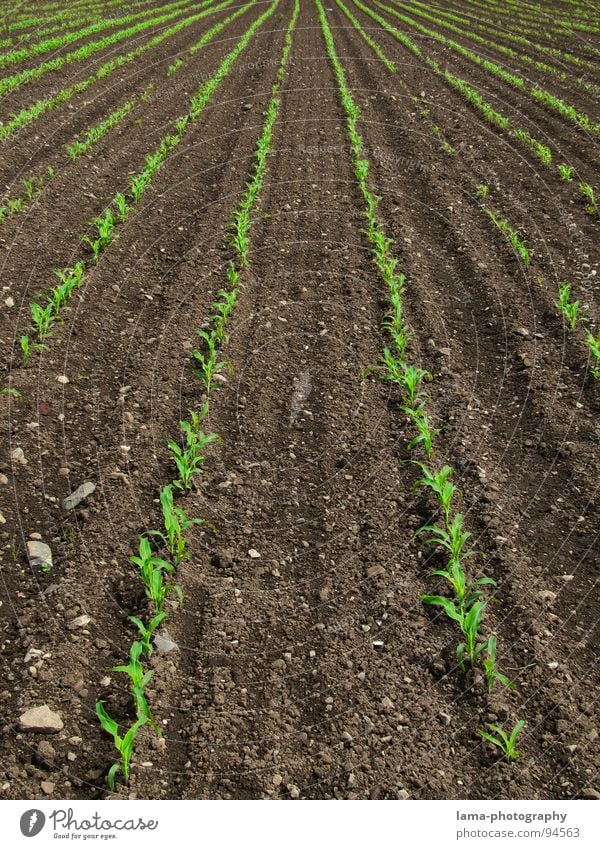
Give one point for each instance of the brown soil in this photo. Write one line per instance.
(311, 670)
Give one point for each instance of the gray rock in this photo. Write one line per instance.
(2, 519)
(444, 718)
(40, 719)
(79, 622)
(164, 643)
(17, 455)
(80, 494)
(39, 554)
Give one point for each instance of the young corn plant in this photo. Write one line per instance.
(469, 621)
(42, 318)
(507, 743)
(176, 523)
(425, 435)
(123, 745)
(489, 664)
(190, 458)
(209, 362)
(570, 309)
(566, 172)
(588, 192)
(482, 191)
(139, 681)
(152, 569)
(146, 631)
(440, 485)
(593, 343)
(25, 343)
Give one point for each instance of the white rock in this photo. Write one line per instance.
(79, 622)
(39, 554)
(18, 456)
(2, 519)
(164, 643)
(62, 378)
(10, 301)
(80, 494)
(254, 554)
(40, 719)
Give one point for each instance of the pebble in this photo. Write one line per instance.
(164, 643)
(47, 787)
(254, 554)
(18, 456)
(375, 571)
(79, 622)
(40, 719)
(3, 480)
(46, 751)
(2, 518)
(277, 779)
(590, 793)
(39, 554)
(10, 301)
(62, 378)
(387, 703)
(403, 794)
(547, 596)
(80, 494)
(293, 791)
(444, 718)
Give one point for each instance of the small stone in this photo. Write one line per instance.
(293, 791)
(246, 107)
(46, 751)
(64, 472)
(254, 554)
(35, 535)
(2, 518)
(62, 378)
(444, 718)
(375, 571)
(547, 596)
(80, 494)
(17, 455)
(164, 643)
(522, 331)
(403, 794)
(39, 554)
(3, 480)
(277, 779)
(10, 301)
(378, 644)
(445, 352)
(47, 787)
(347, 737)
(590, 793)
(387, 703)
(40, 719)
(351, 780)
(79, 622)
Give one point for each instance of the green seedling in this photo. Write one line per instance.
(491, 673)
(439, 483)
(146, 631)
(175, 524)
(30, 187)
(453, 538)
(123, 745)
(425, 435)
(42, 318)
(25, 348)
(222, 310)
(139, 681)
(588, 192)
(15, 205)
(120, 202)
(593, 343)
(482, 191)
(507, 744)
(190, 459)
(469, 622)
(174, 67)
(566, 172)
(410, 380)
(14, 393)
(570, 309)
(209, 363)
(152, 569)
